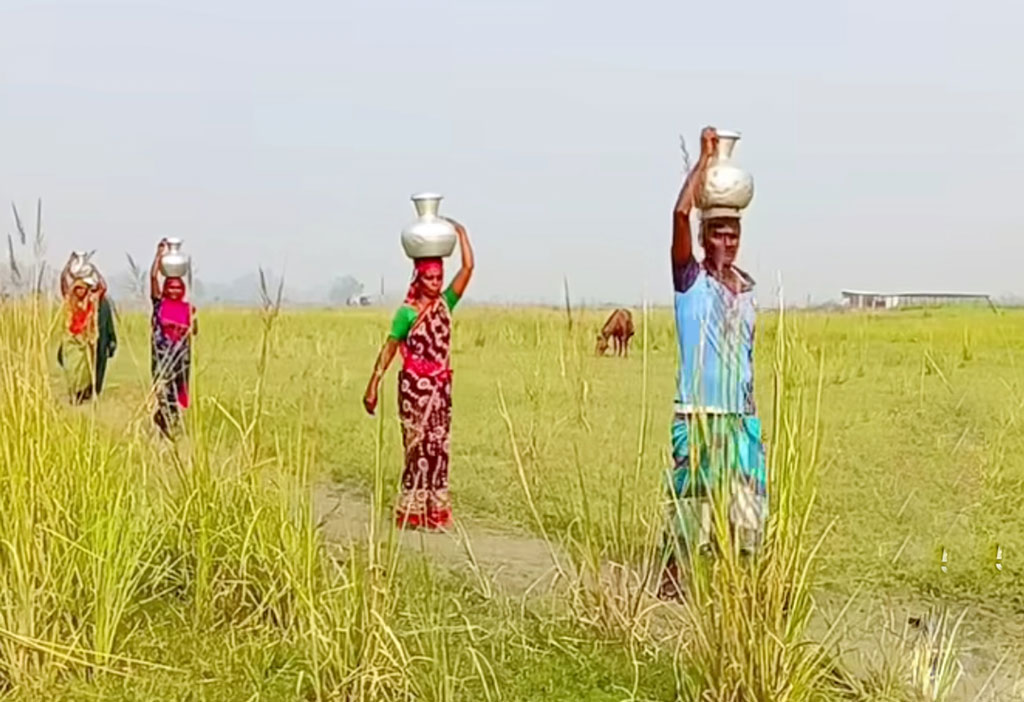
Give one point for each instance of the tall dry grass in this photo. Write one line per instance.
(110, 534)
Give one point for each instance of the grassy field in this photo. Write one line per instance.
(133, 570)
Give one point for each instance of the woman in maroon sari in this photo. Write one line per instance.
(422, 331)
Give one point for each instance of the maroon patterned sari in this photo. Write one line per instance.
(425, 409)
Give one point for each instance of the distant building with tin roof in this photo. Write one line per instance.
(863, 299)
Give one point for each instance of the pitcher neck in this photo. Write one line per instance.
(726, 144)
(426, 204)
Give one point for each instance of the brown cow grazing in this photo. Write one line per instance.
(619, 328)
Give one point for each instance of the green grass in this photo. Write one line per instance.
(922, 447)
(134, 572)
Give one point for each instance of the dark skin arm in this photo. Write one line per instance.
(101, 285)
(384, 359)
(682, 234)
(154, 271)
(461, 280)
(65, 277)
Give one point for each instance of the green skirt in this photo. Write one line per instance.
(78, 358)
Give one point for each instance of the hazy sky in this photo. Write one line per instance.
(884, 137)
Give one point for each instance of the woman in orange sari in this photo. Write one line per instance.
(88, 334)
(422, 331)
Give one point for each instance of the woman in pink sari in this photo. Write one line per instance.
(422, 331)
(174, 325)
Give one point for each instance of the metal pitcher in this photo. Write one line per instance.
(174, 264)
(80, 265)
(429, 235)
(728, 188)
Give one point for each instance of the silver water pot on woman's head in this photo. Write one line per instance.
(174, 264)
(429, 235)
(80, 265)
(728, 188)
(87, 274)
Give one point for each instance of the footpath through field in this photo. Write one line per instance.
(515, 561)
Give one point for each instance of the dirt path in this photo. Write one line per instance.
(875, 624)
(514, 561)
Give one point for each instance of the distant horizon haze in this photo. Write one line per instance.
(883, 137)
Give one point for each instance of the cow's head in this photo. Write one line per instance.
(602, 345)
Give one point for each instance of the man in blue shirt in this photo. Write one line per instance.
(716, 434)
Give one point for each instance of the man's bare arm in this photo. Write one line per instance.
(682, 235)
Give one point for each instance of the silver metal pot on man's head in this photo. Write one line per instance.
(174, 264)
(429, 235)
(728, 189)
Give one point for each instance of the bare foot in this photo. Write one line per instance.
(671, 583)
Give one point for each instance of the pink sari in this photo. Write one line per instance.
(175, 318)
(172, 324)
